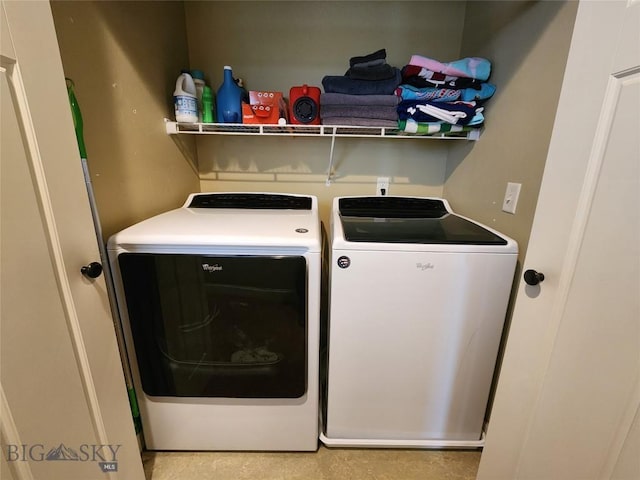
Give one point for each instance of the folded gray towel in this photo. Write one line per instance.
(361, 122)
(346, 99)
(359, 111)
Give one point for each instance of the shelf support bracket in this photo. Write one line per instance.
(330, 168)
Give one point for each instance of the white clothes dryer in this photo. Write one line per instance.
(220, 302)
(418, 299)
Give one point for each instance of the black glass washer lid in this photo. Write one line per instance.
(392, 207)
(409, 220)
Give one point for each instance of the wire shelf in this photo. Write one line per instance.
(174, 128)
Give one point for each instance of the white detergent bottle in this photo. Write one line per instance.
(185, 99)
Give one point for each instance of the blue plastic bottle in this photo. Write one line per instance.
(229, 99)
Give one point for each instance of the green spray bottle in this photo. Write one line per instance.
(208, 108)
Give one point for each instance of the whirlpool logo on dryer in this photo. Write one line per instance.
(211, 268)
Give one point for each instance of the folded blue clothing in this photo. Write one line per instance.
(456, 113)
(409, 92)
(485, 92)
(352, 86)
(436, 94)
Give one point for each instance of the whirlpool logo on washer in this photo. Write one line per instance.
(211, 268)
(425, 266)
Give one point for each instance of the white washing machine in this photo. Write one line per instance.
(418, 298)
(220, 304)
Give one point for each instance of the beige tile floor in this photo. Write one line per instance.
(325, 464)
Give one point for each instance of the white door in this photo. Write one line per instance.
(64, 405)
(567, 401)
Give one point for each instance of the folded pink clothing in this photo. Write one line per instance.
(470, 67)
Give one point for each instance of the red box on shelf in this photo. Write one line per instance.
(264, 108)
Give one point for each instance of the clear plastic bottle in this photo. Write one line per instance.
(229, 99)
(184, 99)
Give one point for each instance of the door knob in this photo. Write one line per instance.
(532, 277)
(93, 270)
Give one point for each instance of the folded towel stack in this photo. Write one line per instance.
(365, 110)
(443, 97)
(364, 95)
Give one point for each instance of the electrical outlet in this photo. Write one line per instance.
(511, 197)
(382, 187)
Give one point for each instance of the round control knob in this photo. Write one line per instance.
(93, 270)
(532, 277)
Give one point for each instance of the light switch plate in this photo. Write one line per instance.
(511, 197)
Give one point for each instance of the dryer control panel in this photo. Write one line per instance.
(251, 201)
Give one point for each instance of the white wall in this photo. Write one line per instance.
(528, 44)
(124, 58)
